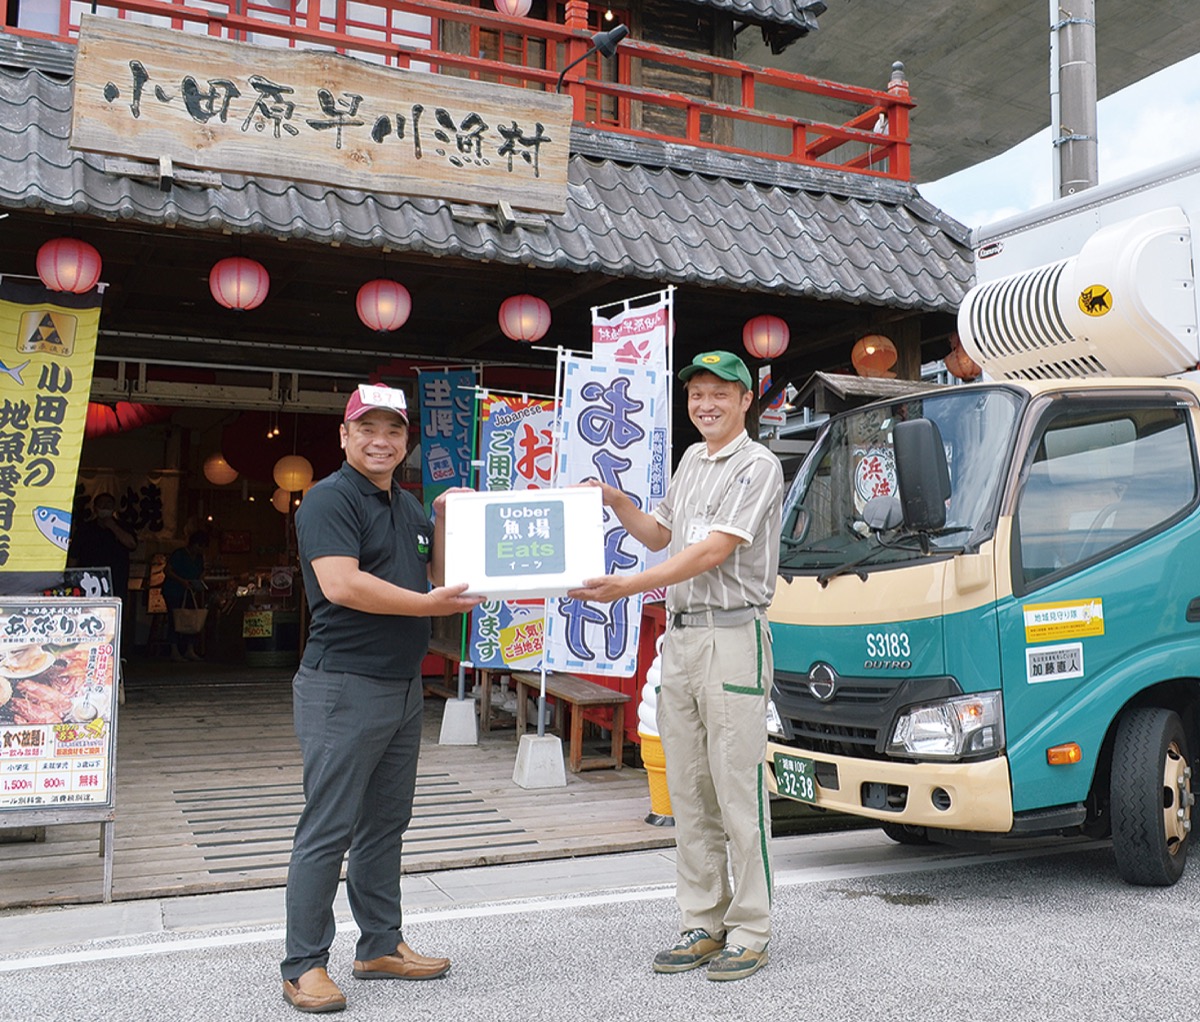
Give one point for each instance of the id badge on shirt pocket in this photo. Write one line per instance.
(697, 532)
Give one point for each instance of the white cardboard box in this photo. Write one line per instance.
(522, 544)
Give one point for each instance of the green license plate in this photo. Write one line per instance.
(796, 778)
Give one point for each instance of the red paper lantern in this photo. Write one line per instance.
(103, 419)
(514, 8)
(383, 305)
(68, 264)
(239, 283)
(524, 318)
(874, 356)
(765, 337)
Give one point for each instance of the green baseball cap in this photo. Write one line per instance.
(724, 364)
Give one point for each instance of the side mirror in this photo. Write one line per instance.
(922, 475)
(882, 514)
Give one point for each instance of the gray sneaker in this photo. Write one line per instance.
(736, 962)
(691, 951)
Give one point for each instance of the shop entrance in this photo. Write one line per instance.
(207, 467)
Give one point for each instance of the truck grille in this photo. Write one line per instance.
(859, 719)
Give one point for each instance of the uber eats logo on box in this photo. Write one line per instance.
(525, 539)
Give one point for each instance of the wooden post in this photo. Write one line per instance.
(898, 125)
(906, 335)
(577, 21)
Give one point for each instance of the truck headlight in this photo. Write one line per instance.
(951, 729)
(774, 724)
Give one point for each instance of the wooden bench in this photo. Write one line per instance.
(450, 654)
(577, 695)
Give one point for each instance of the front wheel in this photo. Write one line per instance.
(905, 834)
(1151, 797)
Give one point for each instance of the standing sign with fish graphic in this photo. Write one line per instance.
(47, 347)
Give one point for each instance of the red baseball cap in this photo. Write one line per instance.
(369, 395)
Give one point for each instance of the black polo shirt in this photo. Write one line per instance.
(347, 515)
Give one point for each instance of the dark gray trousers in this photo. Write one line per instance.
(359, 738)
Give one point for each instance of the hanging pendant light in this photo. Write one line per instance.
(239, 283)
(958, 363)
(292, 472)
(524, 318)
(765, 337)
(874, 356)
(68, 264)
(514, 8)
(218, 471)
(383, 305)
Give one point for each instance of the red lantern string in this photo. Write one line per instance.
(383, 305)
(68, 264)
(524, 318)
(239, 283)
(765, 337)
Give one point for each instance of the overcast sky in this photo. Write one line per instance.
(1150, 122)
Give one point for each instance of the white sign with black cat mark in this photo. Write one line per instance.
(1054, 663)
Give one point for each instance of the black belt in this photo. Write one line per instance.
(715, 618)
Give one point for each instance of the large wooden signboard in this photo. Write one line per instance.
(315, 116)
(59, 676)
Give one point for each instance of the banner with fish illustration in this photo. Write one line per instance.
(517, 451)
(47, 347)
(58, 703)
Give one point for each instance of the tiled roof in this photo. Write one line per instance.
(799, 14)
(721, 221)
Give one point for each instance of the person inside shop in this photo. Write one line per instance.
(368, 554)
(102, 542)
(721, 522)
(183, 585)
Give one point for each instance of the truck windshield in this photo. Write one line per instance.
(853, 462)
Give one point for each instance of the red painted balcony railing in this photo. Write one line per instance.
(528, 53)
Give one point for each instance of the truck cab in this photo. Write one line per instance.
(988, 616)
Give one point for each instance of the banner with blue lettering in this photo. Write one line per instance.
(517, 450)
(607, 432)
(638, 331)
(447, 400)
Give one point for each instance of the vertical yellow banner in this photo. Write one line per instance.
(47, 348)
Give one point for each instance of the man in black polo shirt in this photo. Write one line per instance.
(368, 553)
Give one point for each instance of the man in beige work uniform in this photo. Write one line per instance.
(721, 518)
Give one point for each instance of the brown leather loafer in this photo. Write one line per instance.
(314, 992)
(404, 964)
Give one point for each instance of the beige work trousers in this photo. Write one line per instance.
(712, 719)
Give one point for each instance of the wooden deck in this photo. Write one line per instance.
(208, 791)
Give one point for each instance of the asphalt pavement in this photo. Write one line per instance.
(863, 930)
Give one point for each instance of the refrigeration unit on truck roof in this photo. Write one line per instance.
(1118, 298)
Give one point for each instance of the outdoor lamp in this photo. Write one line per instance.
(68, 264)
(765, 337)
(383, 305)
(524, 318)
(874, 356)
(239, 283)
(604, 42)
(514, 8)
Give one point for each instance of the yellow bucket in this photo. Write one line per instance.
(656, 773)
